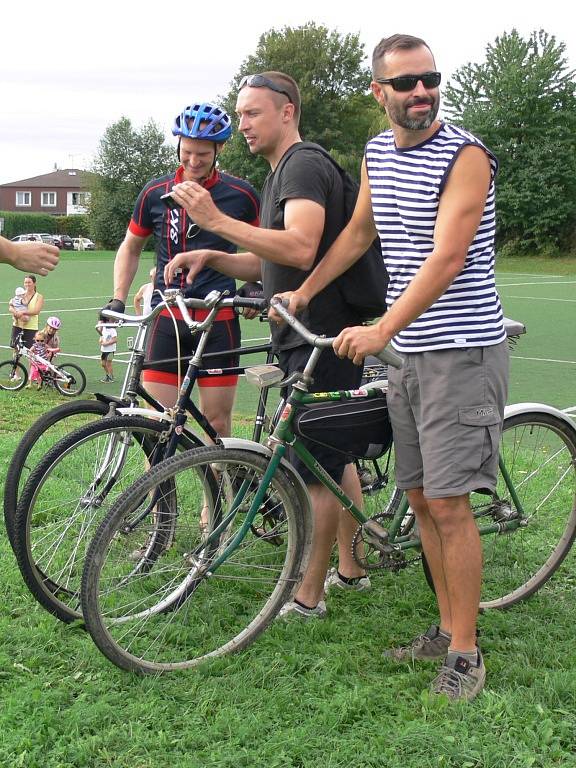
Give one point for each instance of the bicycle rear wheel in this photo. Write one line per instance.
(13, 376)
(187, 607)
(68, 494)
(539, 453)
(37, 441)
(75, 380)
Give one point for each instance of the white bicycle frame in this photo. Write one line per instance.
(42, 361)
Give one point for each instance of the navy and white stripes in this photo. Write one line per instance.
(406, 185)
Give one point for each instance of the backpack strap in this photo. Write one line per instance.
(288, 154)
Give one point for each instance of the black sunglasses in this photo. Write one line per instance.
(409, 82)
(260, 81)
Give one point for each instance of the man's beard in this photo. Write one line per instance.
(399, 115)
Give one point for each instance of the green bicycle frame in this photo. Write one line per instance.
(284, 436)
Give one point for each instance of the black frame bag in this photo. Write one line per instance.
(357, 427)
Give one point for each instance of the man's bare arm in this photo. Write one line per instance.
(296, 245)
(243, 266)
(126, 264)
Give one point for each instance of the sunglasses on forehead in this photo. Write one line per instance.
(409, 82)
(260, 81)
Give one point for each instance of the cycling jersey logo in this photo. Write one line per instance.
(173, 225)
(193, 230)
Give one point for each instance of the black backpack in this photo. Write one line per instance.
(363, 286)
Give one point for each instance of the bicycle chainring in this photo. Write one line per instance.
(370, 558)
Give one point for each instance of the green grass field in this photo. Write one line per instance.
(544, 361)
(303, 696)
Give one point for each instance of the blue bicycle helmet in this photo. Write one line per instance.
(203, 121)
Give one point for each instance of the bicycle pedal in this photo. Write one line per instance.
(377, 536)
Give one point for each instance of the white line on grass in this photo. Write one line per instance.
(539, 298)
(61, 311)
(80, 298)
(523, 274)
(554, 282)
(543, 360)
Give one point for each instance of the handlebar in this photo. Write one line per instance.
(214, 301)
(386, 355)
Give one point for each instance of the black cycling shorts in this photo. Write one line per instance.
(224, 335)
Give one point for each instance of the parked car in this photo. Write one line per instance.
(83, 244)
(67, 242)
(46, 237)
(26, 238)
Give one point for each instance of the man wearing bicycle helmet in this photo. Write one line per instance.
(202, 129)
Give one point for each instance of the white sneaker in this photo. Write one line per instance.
(291, 608)
(333, 580)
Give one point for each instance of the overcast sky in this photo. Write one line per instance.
(68, 70)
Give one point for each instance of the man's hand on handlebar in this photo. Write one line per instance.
(359, 341)
(250, 290)
(294, 302)
(115, 305)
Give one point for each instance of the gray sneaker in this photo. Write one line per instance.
(430, 646)
(333, 580)
(293, 609)
(459, 679)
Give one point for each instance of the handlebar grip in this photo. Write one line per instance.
(249, 302)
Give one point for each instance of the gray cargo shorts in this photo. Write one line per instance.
(446, 407)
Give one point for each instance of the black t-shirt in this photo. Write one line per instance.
(175, 232)
(306, 175)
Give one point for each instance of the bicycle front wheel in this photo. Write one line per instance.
(13, 376)
(37, 441)
(188, 607)
(75, 380)
(69, 493)
(539, 453)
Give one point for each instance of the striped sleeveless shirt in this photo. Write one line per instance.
(405, 186)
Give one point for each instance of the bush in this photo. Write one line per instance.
(23, 223)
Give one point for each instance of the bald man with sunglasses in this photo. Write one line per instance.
(301, 216)
(427, 191)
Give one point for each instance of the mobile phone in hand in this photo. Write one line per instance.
(169, 201)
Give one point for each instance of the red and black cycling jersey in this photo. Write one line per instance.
(174, 231)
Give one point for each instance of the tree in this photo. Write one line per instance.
(125, 161)
(337, 110)
(521, 102)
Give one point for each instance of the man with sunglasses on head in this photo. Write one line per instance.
(301, 216)
(202, 130)
(427, 191)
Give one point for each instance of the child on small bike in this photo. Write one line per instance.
(52, 337)
(38, 351)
